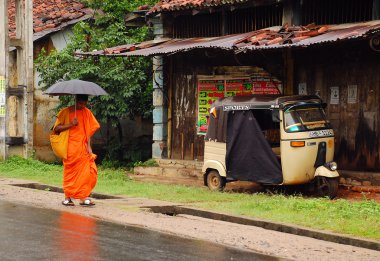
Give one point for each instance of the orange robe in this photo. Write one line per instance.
(79, 169)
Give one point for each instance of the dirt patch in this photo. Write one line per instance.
(345, 192)
(351, 195)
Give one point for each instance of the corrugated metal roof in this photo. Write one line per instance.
(169, 46)
(269, 38)
(177, 5)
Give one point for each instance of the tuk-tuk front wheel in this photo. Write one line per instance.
(326, 187)
(215, 181)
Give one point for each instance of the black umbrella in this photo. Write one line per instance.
(74, 87)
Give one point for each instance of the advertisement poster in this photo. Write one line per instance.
(264, 83)
(302, 90)
(352, 94)
(238, 87)
(2, 96)
(334, 98)
(208, 91)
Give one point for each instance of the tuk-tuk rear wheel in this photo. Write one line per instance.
(327, 187)
(215, 181)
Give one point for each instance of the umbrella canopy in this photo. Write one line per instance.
(73, 87)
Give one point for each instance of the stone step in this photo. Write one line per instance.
(187, 164)
(168, 171)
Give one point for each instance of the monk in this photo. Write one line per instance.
(79, 168)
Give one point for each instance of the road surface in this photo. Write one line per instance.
(29, 233)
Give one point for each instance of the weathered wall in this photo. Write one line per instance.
(43, 109)
(44, 105)
(185, 143)
(356, 124)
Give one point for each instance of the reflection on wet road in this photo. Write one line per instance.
(28, 233)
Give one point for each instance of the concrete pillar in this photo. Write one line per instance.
(160, 111)
(29, 94)
(4, 57)
(19, 110)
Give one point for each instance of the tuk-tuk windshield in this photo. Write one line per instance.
(304, 118)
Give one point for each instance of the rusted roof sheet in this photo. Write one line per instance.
(48, 15)
(311, 35)
(177, 5)
(269, 38)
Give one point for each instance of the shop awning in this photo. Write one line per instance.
(268, 38)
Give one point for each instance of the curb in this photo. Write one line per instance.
(280, 227)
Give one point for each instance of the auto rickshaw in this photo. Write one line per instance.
(271, 141)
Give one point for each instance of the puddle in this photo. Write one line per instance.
(69, 236)
(60, 190)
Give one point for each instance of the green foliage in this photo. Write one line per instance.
(148, 163)
(127, 80)
(120, 7)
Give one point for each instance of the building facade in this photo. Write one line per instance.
(343, 73)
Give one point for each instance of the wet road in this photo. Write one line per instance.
(28, 233)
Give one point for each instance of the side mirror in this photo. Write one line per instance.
(276, 116)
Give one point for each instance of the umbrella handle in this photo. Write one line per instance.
(75, 106)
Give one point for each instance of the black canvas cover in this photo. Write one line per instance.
(217, 127)
(249, 156)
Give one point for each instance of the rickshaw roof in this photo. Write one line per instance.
(261, 101)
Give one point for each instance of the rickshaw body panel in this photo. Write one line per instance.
(214, 157)
(322, 171)
(297, 163)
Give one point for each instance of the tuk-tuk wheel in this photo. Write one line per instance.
(215, 181)
(327, 187)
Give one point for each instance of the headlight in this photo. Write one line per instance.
(331, 165)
